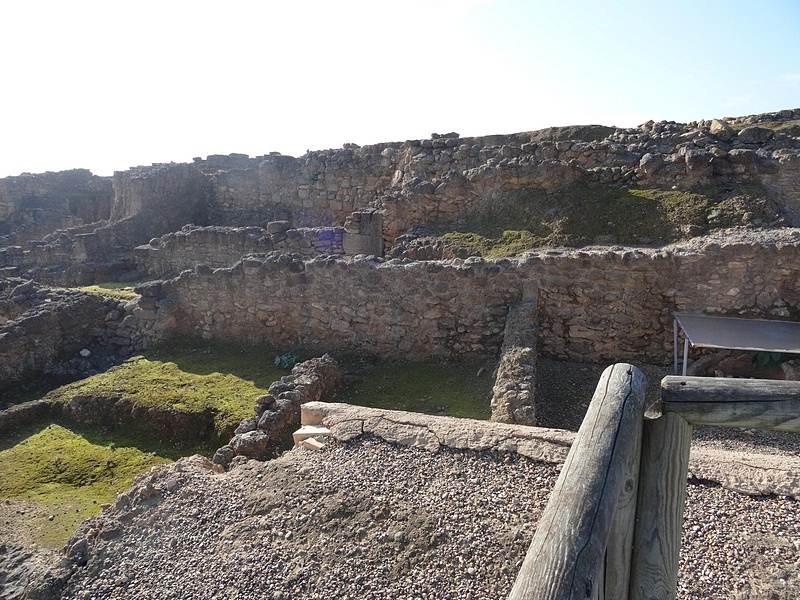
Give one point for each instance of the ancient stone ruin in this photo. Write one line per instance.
(333, 251)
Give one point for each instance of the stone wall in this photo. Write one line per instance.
(32, 206)
(219, 247)
(330, 303)
(515, 384)
(149, 201)
(593, 304)
(379, 192)
(277, 414)
(320, 188)
(447, 176)
(61, 333)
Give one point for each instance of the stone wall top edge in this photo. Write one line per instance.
(490, 139)
(293, 262)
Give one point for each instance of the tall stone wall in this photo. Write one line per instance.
(447, 176)
(32, 206)
(320, 188)
(149, 201)
(592, 304)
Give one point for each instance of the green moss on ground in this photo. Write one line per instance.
(431, 388)
(582, 215)
(66, 472)
(188, 376)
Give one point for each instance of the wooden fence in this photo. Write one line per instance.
(612, 526)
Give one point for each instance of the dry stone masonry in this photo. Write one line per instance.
(32, 206)
(61, 333)
(278, 412)
(290, 250)
(593, 304)
(217, 247)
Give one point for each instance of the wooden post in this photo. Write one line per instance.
(567, 556)
(659, 512)
(618, 552)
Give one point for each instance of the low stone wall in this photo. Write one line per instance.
(514, 390)
(277, 413)
(49, 335)
(593, 304)
(125, 414)
(15, 417)
(219, 247)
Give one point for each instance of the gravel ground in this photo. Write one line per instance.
(366, 519)
(358, 520)
(565, 388)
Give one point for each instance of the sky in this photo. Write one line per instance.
(107, 85)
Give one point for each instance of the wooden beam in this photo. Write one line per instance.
(751, 403)
(659, 511)
(567, 556)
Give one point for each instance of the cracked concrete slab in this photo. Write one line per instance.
(747, 473)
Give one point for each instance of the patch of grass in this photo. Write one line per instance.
(581, 215)
(67, 472)
(791, 127)
(189, 376)
(120, 291)
(431, 388)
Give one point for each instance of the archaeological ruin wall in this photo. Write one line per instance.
(218, 247)
(377, 193)
(61, 333)
(148, 202)
(446, 177)
(593, 304)
(32, 206)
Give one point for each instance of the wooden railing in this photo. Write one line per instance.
(612, 526)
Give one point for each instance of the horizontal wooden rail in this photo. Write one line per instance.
(582, 545)
(751, 403)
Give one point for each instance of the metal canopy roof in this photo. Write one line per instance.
(740, 334)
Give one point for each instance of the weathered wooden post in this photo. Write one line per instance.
(659, 511)
(593, 496)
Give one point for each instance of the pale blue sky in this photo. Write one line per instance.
(108, 85)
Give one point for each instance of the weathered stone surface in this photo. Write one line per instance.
(277, 414)
(593, 305)
(148, 201)
(401, 185)
(217, 247)
(513, 396)
(58, 332)
(754, 135)
(721, 130)
(33, 206)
